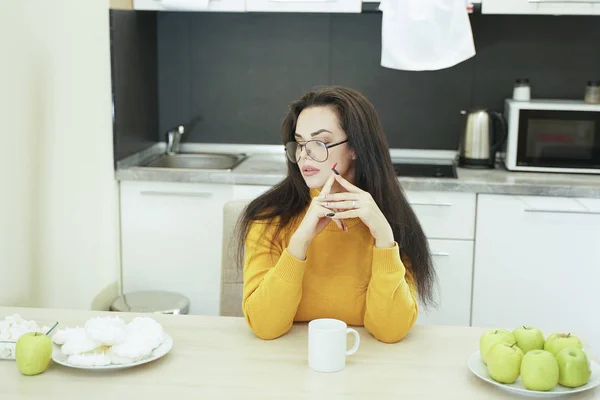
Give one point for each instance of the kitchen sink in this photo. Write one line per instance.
(201, 161)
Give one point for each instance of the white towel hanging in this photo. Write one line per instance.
(420, 35)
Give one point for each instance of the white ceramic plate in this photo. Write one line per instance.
(477, 366)
(60, 358)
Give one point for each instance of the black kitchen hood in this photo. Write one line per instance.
(373, 7)
(424, 169)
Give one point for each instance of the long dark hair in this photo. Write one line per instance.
(374, 173)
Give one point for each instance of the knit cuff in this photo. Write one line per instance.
(289, 268)
(387, 260)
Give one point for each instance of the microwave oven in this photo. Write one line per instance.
(552, 136)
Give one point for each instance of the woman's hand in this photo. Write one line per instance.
(359, 203)
(315, 220)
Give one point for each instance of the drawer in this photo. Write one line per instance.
(445, 215)
(453, 263)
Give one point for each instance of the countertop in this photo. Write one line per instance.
(219, 358)
(265, 165)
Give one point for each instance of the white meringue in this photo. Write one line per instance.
(147, 330)
(78, 342)
(134, 348)
(106, 330)
(11, 329)
(5, 350)
(89, 359)
(115, 359)
(109, 340)
(62, 335)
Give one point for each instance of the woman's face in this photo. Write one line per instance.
(321, 123)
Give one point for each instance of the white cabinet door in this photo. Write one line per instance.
(542, 7)
(171, 239)
(310, 6)
(537, 262)
(213, 5)
(249, 192)
(444, 215)
(453, 261)
(121, 4)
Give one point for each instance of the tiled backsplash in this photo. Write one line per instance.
(134, 81)
(239, 72)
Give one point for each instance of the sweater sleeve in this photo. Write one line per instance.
(391, 309)
(272, 283)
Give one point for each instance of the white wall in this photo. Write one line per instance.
(58, 196)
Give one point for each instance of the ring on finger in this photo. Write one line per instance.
(354, 204)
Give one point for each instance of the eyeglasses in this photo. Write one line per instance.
(315, 149)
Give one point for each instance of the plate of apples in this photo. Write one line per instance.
(526, 362)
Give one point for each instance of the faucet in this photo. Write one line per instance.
(173, 139)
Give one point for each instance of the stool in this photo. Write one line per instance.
(152, 302)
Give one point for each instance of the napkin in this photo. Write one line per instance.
(422, 35)
(185, 5)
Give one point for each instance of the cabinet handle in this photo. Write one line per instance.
(440, 254)
(204, 195)
(432, 204)
(533, 210)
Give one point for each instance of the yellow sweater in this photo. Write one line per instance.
(344, 277)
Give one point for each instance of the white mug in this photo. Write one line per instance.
(327, 344)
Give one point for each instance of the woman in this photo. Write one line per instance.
(331, 242)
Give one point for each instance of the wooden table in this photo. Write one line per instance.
(219, 358)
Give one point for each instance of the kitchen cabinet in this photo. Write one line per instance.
(537, 262)
(213, 5)
(453, 262)
(171, 239)
(444, 215)
(542, 7)
(448, 220)
(121, 4)
(312, 6)
(249, 192)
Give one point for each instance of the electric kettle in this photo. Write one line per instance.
(480, 138)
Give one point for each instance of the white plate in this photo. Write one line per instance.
(60, 358)
(477, 366)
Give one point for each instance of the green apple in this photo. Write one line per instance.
(33, 353)
(504, 362)
(539, 370)
(490, 338)
(573, 367)
(529, 338)
(558, 341)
